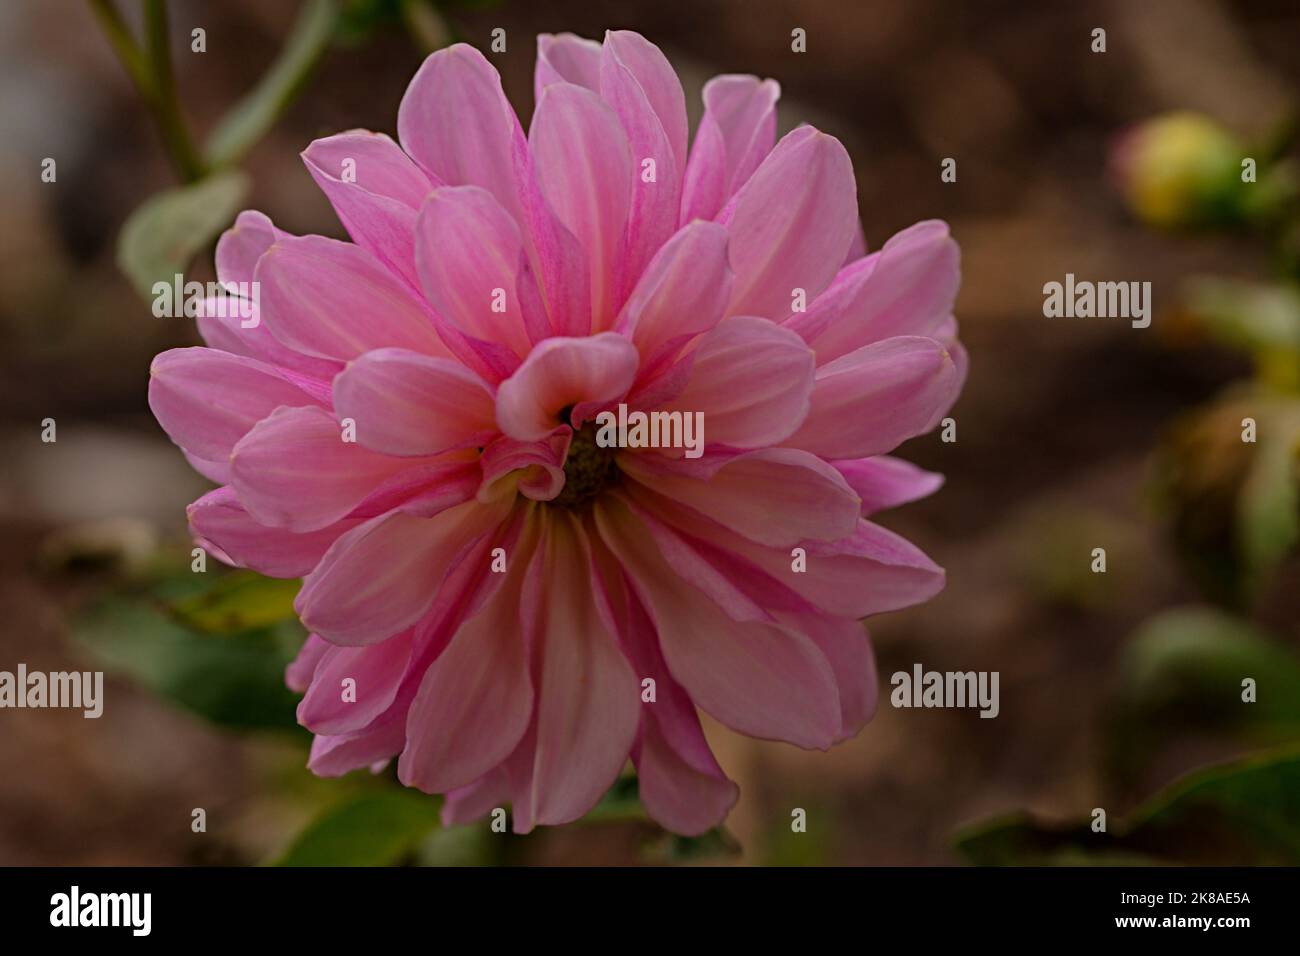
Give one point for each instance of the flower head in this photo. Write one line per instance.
(413, 423)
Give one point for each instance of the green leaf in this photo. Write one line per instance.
(169, 229)
(379, 829)
(1182, 673)
(1268, 506)
(237, 681)
(1240, 813)
(250, 119)
(239, 601)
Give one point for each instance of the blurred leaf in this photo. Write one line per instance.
(250, 119)
(1268, 507)
(1241, 813)
(1181, 674)
(716, 843)
(621, 802)
(379, 829)
(237, 681)
(238, 601)
(169, 229)
(1262, 319)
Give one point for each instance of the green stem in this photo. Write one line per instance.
(167, 110)
(151, 72)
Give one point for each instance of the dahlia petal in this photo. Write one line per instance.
(775, 496)
(566, 58)
(476, 800)
(641, 86)
(294, 470)
(456, 122)
(588, 698)
(791, 223)
(681, 293)
(735, 135)
(337, 755)
(759, 679)
(752, 380)
(207, 400)
(405, 403)
(242, 245)
(375, 189)
(376, 672)
(871, 400)
(219, 518)
(475, 701)
(380, 577)
(333, 299)
(540, 465)
(472, 264)
(680, 783)
(297, 676)
(584, 169)
(846, 646)
(561, 372)
(222, 327)
(883, 482)
(873, 571)
(907, 288)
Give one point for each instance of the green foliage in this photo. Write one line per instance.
(373, 829)
(1243, 813)
(169, 229)
(238, 601)
(253, 116)
(235, 679)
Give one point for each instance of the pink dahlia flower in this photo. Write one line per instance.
(410, 426)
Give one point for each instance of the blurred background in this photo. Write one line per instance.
(1119, 690)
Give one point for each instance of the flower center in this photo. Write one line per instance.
(588, 469)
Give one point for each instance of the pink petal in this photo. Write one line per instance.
(681, 293)
(870, 572)
(584, 168)
(207, 400)
(476, 700)
(334, 300)
(775, 496)
(907, 288)
(869, 401)
(561, 372)
(376, 672)
(845, 645)
(641, 86)
(476, 800)
(752, 380)
(294, 470)
(736, 133)
(588, 699)
(224, 328)
(761, 680)
(242, 245)
(680, 783)
(335, 756)
(791, 223)
(375, 188)
(405, 403)
(536, 467)
(566, 58)
(472, 263)
(883, 482)
(456, 122)
(380, 578)
(218, 517)
(297, 676)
